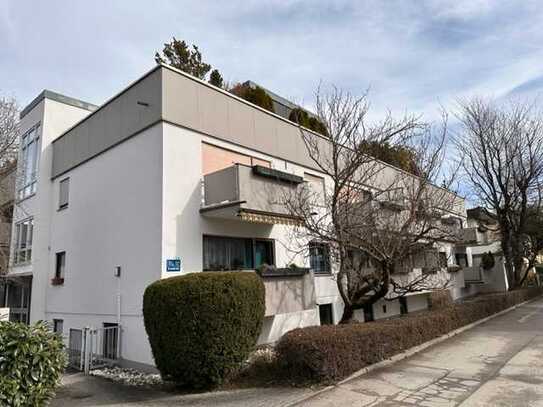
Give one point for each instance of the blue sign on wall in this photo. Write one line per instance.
(173, 265)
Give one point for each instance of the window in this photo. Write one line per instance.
(23, 241)
(319, 258)
(60, 265)
(316, 189)
(29, 163)
(384, 309)
(58, 326)
(63, 193)
(232, 253)
(326, 314)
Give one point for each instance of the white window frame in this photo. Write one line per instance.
(28, 175)
(22, 253)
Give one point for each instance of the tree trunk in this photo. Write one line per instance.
(348, 314)
(508, 258)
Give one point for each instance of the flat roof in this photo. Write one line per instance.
(58, 98)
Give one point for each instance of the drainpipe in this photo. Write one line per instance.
(118, 294)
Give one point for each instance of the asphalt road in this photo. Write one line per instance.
(497, 363)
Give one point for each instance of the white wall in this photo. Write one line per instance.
(54, 118)
(113, 219)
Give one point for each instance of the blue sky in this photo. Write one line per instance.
(414, 55)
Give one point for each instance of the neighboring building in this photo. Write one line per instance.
(483, 236)
(170, 176)
(8, 173)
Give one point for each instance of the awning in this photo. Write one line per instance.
(268, 218)
(236, 211)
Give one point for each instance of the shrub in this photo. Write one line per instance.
(32, 360)
(440, 299)
(330, 353)
(202, 326)
(256, 95)
(487, 261)
(300, 116)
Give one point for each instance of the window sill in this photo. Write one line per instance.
(322, 274)
(61, 208)
(26, 263)
(57, 281)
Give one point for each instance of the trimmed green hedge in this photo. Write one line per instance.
(32, 360)
(202, 326)
(330, 353)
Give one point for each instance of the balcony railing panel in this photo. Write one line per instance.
(255, 191)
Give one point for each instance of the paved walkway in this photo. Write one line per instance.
(498, 363)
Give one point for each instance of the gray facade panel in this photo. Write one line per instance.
(126, 114)
(245, 124)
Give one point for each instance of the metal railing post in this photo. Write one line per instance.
(119, 330)
(87, 350)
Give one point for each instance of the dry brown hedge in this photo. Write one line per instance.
(330, 353)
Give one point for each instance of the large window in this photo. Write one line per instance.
(232, 253)
(23, 242)
(319, 258)
(29, 166)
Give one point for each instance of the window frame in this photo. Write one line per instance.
(56, 323)
(252, 240)
(28, 182)
(328, 269)
(18, 248)
(63, 204)
(60, 268)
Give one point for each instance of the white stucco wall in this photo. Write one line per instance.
(113, 219)
(54, 118)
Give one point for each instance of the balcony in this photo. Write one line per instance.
(252, 194)
(467, 235)
(288, 290)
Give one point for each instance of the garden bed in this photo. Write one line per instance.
(327, 354)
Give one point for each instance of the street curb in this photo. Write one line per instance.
(409, 352)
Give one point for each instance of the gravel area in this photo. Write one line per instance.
(130, 377)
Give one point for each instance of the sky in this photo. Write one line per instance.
(414, 56)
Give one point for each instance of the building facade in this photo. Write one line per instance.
(170, 176)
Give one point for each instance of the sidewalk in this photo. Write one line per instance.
(495, 363)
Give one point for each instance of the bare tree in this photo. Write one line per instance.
(9, 128)
(501, 151)
(378, 221)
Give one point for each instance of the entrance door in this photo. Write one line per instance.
(403, 305)
(368, 313)
(18, 291)
(110, 338)
(325, 314)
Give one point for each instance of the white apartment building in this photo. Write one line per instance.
(167, 177)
